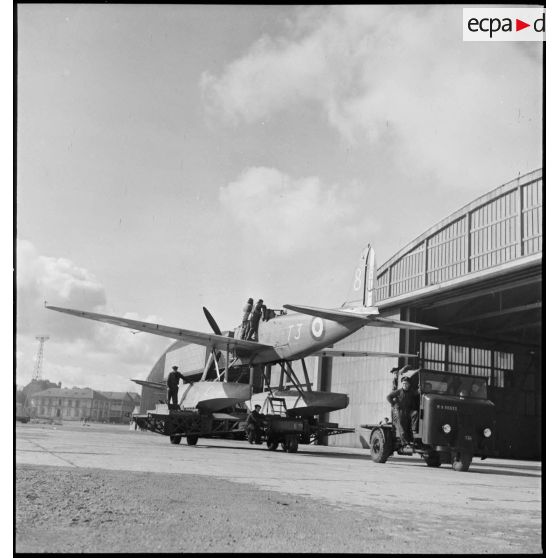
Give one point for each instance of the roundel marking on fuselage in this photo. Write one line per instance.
(317, 328)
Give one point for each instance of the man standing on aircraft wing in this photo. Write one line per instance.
(172, 385)
(255, 321)
(404, 402)
(246, 311)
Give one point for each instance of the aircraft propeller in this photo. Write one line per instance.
(216, 330)
(211, 321)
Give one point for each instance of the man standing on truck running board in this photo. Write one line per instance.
(405, 402)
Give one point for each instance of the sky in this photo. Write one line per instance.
(171, 157)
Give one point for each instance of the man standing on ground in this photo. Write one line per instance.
(254, 424)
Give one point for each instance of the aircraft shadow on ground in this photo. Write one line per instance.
(522, 467)
(280, 451)
(475, 469)
(481, 468)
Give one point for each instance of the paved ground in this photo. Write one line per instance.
(317, 500)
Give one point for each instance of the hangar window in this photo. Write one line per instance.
(462, 359)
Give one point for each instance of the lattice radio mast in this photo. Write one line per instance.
(39, 362)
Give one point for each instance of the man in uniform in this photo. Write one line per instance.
(255, 321)
(172, 386)
(254, 424)
(246, 311)
(405, 403)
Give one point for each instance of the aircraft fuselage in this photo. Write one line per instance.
(296, 335)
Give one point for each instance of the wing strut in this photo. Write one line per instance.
(227, 364)
(294, 380)
(207, 366)
(306, 377)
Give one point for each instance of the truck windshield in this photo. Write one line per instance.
(446, 383)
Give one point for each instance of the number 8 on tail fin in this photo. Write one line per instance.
(364, 280)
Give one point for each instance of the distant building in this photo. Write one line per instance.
(122, 404)
(34, 386)
(70, 404)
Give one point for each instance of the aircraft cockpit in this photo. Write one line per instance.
(271, 313)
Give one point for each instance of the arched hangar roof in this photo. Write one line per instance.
(497, 234)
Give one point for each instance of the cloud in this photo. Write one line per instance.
(399, 76)
(57, 281)
(288, 214)
(79, 352)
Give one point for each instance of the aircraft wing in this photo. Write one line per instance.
(197, 337)
(350, 353)
(370, 319)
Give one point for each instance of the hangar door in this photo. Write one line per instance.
(493, 329)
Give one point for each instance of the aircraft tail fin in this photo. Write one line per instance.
(364, 281)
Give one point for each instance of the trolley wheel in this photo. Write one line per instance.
(461, 462)
(380, 446)
(272, 446)
(292, 445)
(175, 439)
(432, 459)
(191, 440)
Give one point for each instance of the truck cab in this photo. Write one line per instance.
(456, 421)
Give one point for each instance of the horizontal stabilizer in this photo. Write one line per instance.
(391, 322)
(368, 317)
(153, 385)
(349, 353)
(207, 339)
(334, 315)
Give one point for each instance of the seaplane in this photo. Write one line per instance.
(284, 336)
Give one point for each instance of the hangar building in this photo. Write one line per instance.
(477, 276)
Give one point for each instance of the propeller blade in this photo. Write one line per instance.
(211, 321)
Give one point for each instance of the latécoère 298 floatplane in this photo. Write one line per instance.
(284, 336)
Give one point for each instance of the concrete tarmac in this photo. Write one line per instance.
(504, 493)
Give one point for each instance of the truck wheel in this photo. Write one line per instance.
(380, 447)
(432, 459)
(272, 446)
(292, 445)
(461, 462)
(191, 440)
(175, 439)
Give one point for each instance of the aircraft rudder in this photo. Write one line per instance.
(371, 278)
(364, 280)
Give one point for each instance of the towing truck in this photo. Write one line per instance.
(456, 421)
